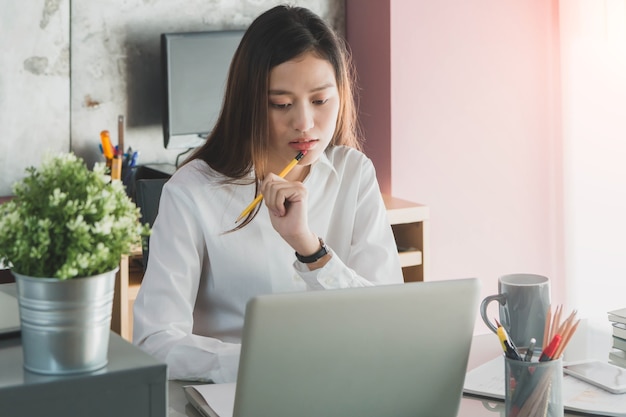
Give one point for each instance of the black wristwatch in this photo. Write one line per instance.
(316, 256)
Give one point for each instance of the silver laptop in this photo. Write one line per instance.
(393, 350)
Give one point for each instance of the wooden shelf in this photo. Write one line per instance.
(404, 211)
(409, 222)
(127, 283)
(410, 258)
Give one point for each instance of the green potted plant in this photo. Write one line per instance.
(63, 235)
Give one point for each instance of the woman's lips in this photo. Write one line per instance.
(303, 145)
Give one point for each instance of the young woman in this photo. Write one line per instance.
(322, 226)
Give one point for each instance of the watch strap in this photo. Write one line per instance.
(316, 256)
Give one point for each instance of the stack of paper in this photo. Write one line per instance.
(212, 400)
(618, 357)
(618, 320)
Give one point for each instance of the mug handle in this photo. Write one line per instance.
(493, 406)
(501, 298)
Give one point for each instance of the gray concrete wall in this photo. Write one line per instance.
(50, 105)
(34, 84)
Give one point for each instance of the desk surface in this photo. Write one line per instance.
(132, 384)
(592, 340)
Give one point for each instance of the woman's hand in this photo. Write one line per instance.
(287, 205)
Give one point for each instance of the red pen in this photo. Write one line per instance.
(550, 350)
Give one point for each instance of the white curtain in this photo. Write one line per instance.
(593, 123)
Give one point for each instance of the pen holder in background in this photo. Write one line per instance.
(533, 389)
(128, 179)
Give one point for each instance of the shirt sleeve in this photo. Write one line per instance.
(163, 310)
(372, 257)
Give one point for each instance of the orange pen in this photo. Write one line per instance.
(107, 146)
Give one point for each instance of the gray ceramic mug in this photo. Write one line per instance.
(524, 300)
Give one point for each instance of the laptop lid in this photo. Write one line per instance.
(398, 350)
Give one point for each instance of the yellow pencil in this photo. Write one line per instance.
(282, 174)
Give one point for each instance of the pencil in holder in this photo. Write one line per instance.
(116, 168)
(533, 389)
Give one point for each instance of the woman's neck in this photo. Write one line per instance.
(298, 173)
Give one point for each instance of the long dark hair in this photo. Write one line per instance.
(239, 142)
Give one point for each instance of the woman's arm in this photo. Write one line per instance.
(360, 239)
(163, 310)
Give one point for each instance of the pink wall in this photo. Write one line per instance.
(473, 129)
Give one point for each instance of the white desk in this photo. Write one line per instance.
(592, 340)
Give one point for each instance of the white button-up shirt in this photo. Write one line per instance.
(190, 308)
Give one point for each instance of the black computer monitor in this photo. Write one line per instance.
(195, 68)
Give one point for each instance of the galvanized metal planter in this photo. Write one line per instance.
(65, 323)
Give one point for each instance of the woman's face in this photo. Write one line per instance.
(303, 109)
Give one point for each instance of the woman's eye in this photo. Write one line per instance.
(280, 105)
(320, 101)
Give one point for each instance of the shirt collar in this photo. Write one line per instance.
(323, 166)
